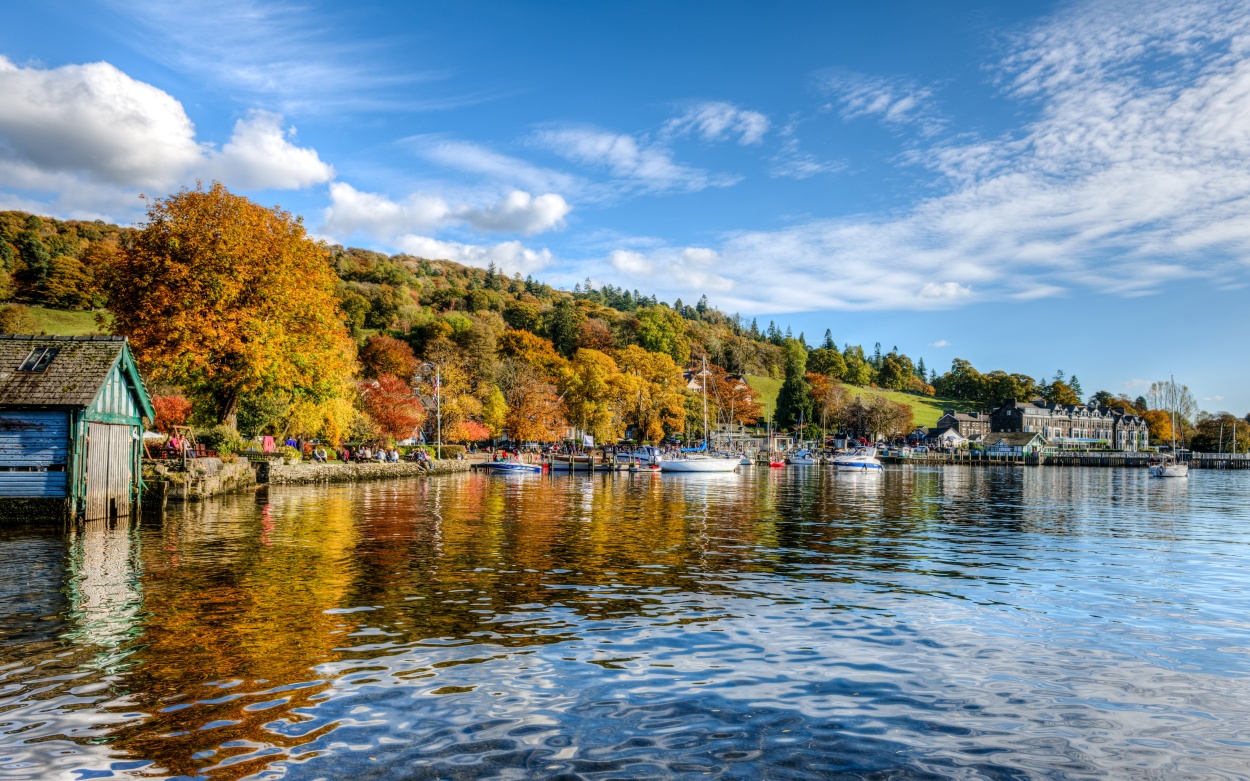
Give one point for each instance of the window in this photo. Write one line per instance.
(38, 359)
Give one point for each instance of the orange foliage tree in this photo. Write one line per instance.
(222, 297)
(388, 355)
(389, 402)
(536, 412)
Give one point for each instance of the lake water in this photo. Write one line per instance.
(944, 622)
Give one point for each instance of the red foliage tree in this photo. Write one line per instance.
(389, 402)
(172, 410)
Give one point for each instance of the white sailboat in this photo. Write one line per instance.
(701, 462)
(1169, 465)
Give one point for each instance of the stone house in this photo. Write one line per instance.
(967, 424)
(1075, 426)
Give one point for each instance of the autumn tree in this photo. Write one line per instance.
(595, 394)
(655, 394)
(536, 413)
(221, 297)
(829, 398)
(392, 405)
(388, 355)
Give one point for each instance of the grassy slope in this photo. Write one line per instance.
(925, 409)
(62, 322)
(766, 390)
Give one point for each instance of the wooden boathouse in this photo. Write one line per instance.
(72, 412)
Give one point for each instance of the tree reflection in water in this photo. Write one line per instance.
(217, 639)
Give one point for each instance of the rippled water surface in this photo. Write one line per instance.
(926, 623)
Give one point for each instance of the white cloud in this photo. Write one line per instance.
(716, 121)
(353, 211)
(630, 262)
(92, 136)
(947, 290)
(260, 155)
(510, 256)
(1135, 383)
(520, 212)
(940, 343)
(94, 120)
(633, 163)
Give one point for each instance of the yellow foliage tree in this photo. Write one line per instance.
(654, 392)
(223, 297)
(596, 394)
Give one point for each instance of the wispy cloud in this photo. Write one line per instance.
(717, 121)
(494, 166)
(892, 100)
(286, 54)
(940, 343)
(633, 163)
(1133, 174)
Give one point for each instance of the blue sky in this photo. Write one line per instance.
(1030, 186)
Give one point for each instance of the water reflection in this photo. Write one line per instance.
(927, 622)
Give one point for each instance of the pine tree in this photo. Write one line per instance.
(1075, 385)
(920, 370)
(828, 343)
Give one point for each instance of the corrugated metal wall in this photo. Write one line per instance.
(34, 452)
(109, 470)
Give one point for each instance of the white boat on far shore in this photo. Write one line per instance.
(699, 464)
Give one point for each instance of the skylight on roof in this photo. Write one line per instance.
(38, 359)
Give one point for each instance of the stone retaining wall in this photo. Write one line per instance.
(336, 472)
(204, 477)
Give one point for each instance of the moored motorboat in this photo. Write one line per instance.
(510, 466)
(863, 459)
(1169, 467)
(803, 458)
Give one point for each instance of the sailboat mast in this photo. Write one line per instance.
(704, 384)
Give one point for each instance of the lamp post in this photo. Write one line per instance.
(438, 405)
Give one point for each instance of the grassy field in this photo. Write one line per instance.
(62, 322)
(925, 409)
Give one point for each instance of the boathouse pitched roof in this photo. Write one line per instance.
(72, 371)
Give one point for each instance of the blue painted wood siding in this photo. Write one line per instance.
(34, 453)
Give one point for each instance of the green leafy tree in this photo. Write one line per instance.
(794, 401)
(827, 361)
(563, 323)
(661, 330)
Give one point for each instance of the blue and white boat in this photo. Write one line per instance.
(862, 459)
(511, 466)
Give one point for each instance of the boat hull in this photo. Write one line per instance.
(500, 467)
(857, 466)
(700, 465)
(1170, 470)
(802, 462)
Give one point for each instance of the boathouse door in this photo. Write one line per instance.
(110, 470)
